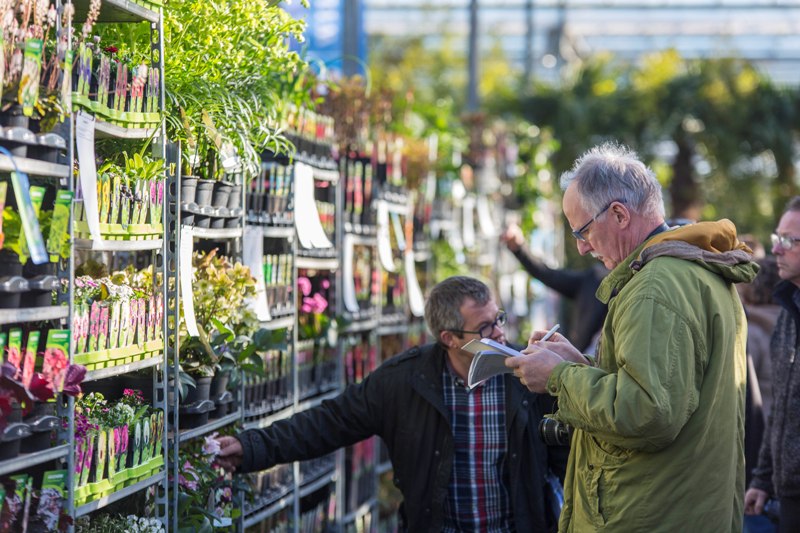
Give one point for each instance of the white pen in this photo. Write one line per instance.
(550, 333)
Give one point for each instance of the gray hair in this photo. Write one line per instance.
(443, 308)
(610, 172)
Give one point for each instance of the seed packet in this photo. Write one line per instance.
(141, 318)
(94, 326)
(100, 455)
(16, 502)
(124, 322)
(29, 356)
(113, 326)
(102, 333)
(54, 366)
(88, 457)
(31, 72)
(112, 452)
(58, 239)
(51, 499)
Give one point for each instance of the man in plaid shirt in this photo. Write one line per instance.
(465, 460)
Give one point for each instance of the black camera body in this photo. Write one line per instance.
(555, 433)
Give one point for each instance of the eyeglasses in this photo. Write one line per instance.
(487, 329)
(578, 233)
(786, 242)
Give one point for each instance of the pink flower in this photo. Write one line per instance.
(211, 445)
(304, 284)
(326, 283)
(321, 302)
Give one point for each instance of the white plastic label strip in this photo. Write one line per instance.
(186, 277)
(84, 139)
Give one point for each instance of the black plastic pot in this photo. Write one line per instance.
(9, 264)
(13, 117)
(205, 189)
(42, 429)
(40, 291)
(222, 191)
(11, 439)
(220, 383)
(235, 197)
(201, 392)
(31, 269)
(188, 189)
(11, 289)
(195, 414)
(223, 403)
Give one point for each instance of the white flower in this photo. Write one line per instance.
(211, 445)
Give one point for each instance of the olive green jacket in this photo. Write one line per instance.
(659, 422)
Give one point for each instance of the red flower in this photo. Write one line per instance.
(111, 50)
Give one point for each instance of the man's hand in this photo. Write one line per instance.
(230, 453)
(534, 368)
(557, 344)
(754, 500)
(513, 237)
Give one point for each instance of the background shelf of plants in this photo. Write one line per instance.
(194, 272)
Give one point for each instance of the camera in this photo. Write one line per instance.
(555, 433)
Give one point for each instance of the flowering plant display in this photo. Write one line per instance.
(313, 321)
(106, 523)
(205, 490)
(220, 291)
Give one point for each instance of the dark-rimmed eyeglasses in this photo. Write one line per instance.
(786, 242)
(578, 233)
(486, 330)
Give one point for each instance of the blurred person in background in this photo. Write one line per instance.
(778, 472)
(579, 286)
(658, 415)
(762, 315)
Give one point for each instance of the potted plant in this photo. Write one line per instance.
(220, 290)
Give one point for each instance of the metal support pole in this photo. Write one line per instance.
(473, 101)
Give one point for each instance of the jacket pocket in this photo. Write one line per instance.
(603, 471)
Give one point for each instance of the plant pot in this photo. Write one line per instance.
(235, 198)
(11, 289)
(42, 429)
(188, 189)
(205, 189)
(11, 439)
(40, 291)
(223, 404)
(195, 414)
(222, 191)
(31, 269)
(9, 264)
(13, 117)
(220, 383)
(199, 393)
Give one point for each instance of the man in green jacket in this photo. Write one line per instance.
(658, 416)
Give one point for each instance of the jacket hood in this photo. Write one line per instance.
(713, 245)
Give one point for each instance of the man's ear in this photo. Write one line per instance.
(449, 339)
(621, 215)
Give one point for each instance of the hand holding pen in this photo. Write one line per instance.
(545, 351)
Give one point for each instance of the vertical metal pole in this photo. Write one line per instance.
(472, 90)
(529, 55)
(352, 29)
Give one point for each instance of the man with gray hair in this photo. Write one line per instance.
(658, 415)
(465, 460)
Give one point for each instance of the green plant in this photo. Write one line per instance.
(220, 290)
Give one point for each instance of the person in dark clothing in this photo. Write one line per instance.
(464, 460)
(588, 313)
(778, 472)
